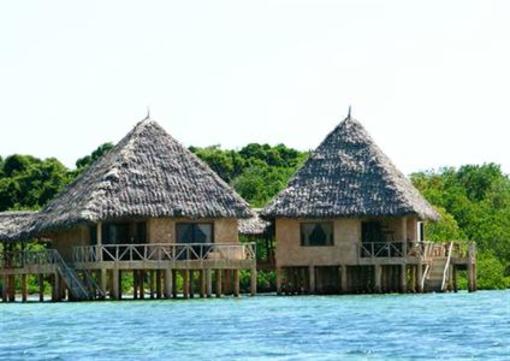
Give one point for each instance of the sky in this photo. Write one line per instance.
(428, 79)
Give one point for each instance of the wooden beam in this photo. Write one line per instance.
(158, 284)
(24, 292)
(185, 284)
(403, 278)
(208, 276)
(168, 283)
(141, 279)
(253, 280)
(344, 282)
(203, 284)
(311, 279)
(279, 274)
(174, 283)
(236, 282)
(218, 283)
(419, 276)
(41, 287)
(377, 278)
(135, 284)
(151, 284)
(115, 284)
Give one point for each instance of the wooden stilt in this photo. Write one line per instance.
(56, 287)
(158, 284)
(311, 279)
(454, 275)
(41, 287)
(377, 278)
(208, 275)
(218, 283)
(185, 286)
(227, 284)
(253, 281)
(203, 285)
(12, 288)
(470, 274)
(151, 284)
(413, 278)
(279, 275)
(403, 278)
(236, 282)
(135, 284)
(103, 280)
(191, 284)
(419, 276)
(119, 284)
(24, 292)
(5, 288)
(141, 281)
(344, 282)
(168, 283)
(115, 284)
(174, 283)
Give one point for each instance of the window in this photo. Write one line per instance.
(317, 234)
(195, 233)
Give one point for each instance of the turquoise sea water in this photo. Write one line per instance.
(388, 327)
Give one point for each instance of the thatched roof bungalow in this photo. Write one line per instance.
(138, 192)
(347, 193)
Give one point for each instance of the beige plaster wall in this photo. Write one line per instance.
(162, 230)
(347, 239)
(65, 240)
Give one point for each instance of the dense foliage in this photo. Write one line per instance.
(473, 200)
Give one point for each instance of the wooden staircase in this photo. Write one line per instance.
(435, 279)
(79, 290)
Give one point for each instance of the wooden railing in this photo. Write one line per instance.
(422, 249)
(164, 252)
(20, 259)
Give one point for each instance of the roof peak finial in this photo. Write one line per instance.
(349, 112)
(148, 116)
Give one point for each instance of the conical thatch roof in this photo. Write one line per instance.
(147, 174)
(347, 176)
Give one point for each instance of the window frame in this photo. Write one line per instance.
(194, 224)
(330, 243)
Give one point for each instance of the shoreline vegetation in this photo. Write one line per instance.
(473, 200)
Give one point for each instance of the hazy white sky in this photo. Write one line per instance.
(428, 79)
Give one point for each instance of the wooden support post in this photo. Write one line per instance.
(5, 288)
(454, 275)
(208, 276)
(24, 292)
(158, 284)
(191, 288)
(104, 279)
(174, 283)
(185, 285)
(151, 284)
(41, 287)
(56, 287)
(168, 283)
(403, 278)
(227, 287)
(135, 284)
(99, 242)
(279, 280)
(141, 279)
(203, 285)
(344, 282)
(115, 284)
(377, 278)
(253, 280)
(119, 283)
(413, 278)
(311, 279)
(236, 282)
(471, 277)
(218, 282)
(12, 288)
(419, 276)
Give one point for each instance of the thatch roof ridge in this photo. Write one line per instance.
(147, 174)
(349, 175)
(254, 225)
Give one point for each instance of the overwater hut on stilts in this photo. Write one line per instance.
(149, 207)
(350, 222)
